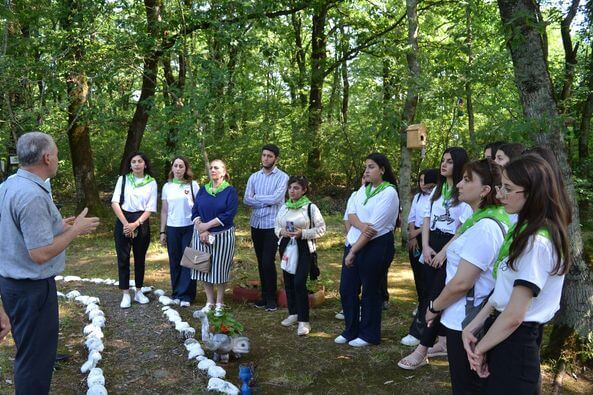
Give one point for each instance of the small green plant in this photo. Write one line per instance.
(225, 323)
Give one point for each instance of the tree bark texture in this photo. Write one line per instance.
(570, 54)
(468, 78)
(318, 56)
(149, 78)
(535, 88)
(83, 168)
(409, 113)
(299, 58)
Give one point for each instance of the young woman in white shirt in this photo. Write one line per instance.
(470, 259)
(178, 197)
(426, 183)
(300, 219)
(132, 227)
(443, 215)
(529, 273)
(368, 253)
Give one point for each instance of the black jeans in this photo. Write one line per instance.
(464, 381)
(32, 306)
(434, 284)
(417, 326)
(295, 285)
(138, 244)
(515, 362)
(265, 243)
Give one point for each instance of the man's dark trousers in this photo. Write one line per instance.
(32, 306)
(265, 243)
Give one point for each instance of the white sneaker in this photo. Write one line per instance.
(290, 320)
(340, 315)
(303, 329)
(340, 340)
(207, 307)
(358, 342)
(219, 310)
(410, 341)
(126, 301)
(140, 298)
(184, 304)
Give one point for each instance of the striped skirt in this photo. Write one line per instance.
(221, 251)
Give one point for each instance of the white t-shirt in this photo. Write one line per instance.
(349, 205)
(416, 214)
(446, 218)
(380, 211)
(479, 246)
(532, 269)
(179, 203)
(136, 199)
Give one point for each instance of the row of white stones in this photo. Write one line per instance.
(93, 333)
(94, 343)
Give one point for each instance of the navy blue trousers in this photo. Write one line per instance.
(32, 306)
(182, 286)
(265, 243)
(362, 313)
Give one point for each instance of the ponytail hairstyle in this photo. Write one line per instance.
(489, 174)
(460, 158)
(545, 207)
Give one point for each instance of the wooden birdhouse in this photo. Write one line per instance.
(416, 136)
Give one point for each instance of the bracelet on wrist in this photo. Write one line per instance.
(432, 310)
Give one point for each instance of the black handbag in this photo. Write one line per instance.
(472, 311)
(314, 271)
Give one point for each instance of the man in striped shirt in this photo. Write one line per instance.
(265, 193)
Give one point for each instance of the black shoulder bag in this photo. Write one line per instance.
(314, 271)
(472, 311)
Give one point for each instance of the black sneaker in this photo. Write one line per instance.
(261, 304)
(271, 306)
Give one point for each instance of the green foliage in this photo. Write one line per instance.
(224, 323)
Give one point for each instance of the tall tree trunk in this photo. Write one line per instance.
(570, 54)
(468, 79)
(533, 81)
(409, 112)
(587, 106)
(318, 56)
(299, 58)
(149, 78)
(87, 194)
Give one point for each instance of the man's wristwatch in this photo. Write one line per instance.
(433, 311)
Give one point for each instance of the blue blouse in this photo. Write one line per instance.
(222, 206)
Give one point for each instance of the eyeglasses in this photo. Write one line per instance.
(504, 192)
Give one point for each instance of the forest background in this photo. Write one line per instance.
(328, 81)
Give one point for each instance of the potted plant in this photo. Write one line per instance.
(224, 323)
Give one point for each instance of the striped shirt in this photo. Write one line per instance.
(265, 195)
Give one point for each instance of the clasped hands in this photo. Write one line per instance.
(367, 231)
(477, 359)
(432, 259)
(202, 229)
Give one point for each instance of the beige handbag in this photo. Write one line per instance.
(197, 260)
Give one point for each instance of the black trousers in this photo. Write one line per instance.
(265, 243)
(123, 246)
(515, 363)
(464, 381)
(182, 286)
(32, 306)
(434, 284)
(362, 314)
(295, 285)
(417, 326)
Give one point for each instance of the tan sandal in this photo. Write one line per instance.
(412, 362)
(438, 350)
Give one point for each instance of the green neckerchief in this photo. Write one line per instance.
(213, 191)
(508, 240)
(446, 193)
(179, 182)
(496, 212)
(379, 188)
(298, 204)
(137, 184)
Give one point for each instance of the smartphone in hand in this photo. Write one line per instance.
(290, 226)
